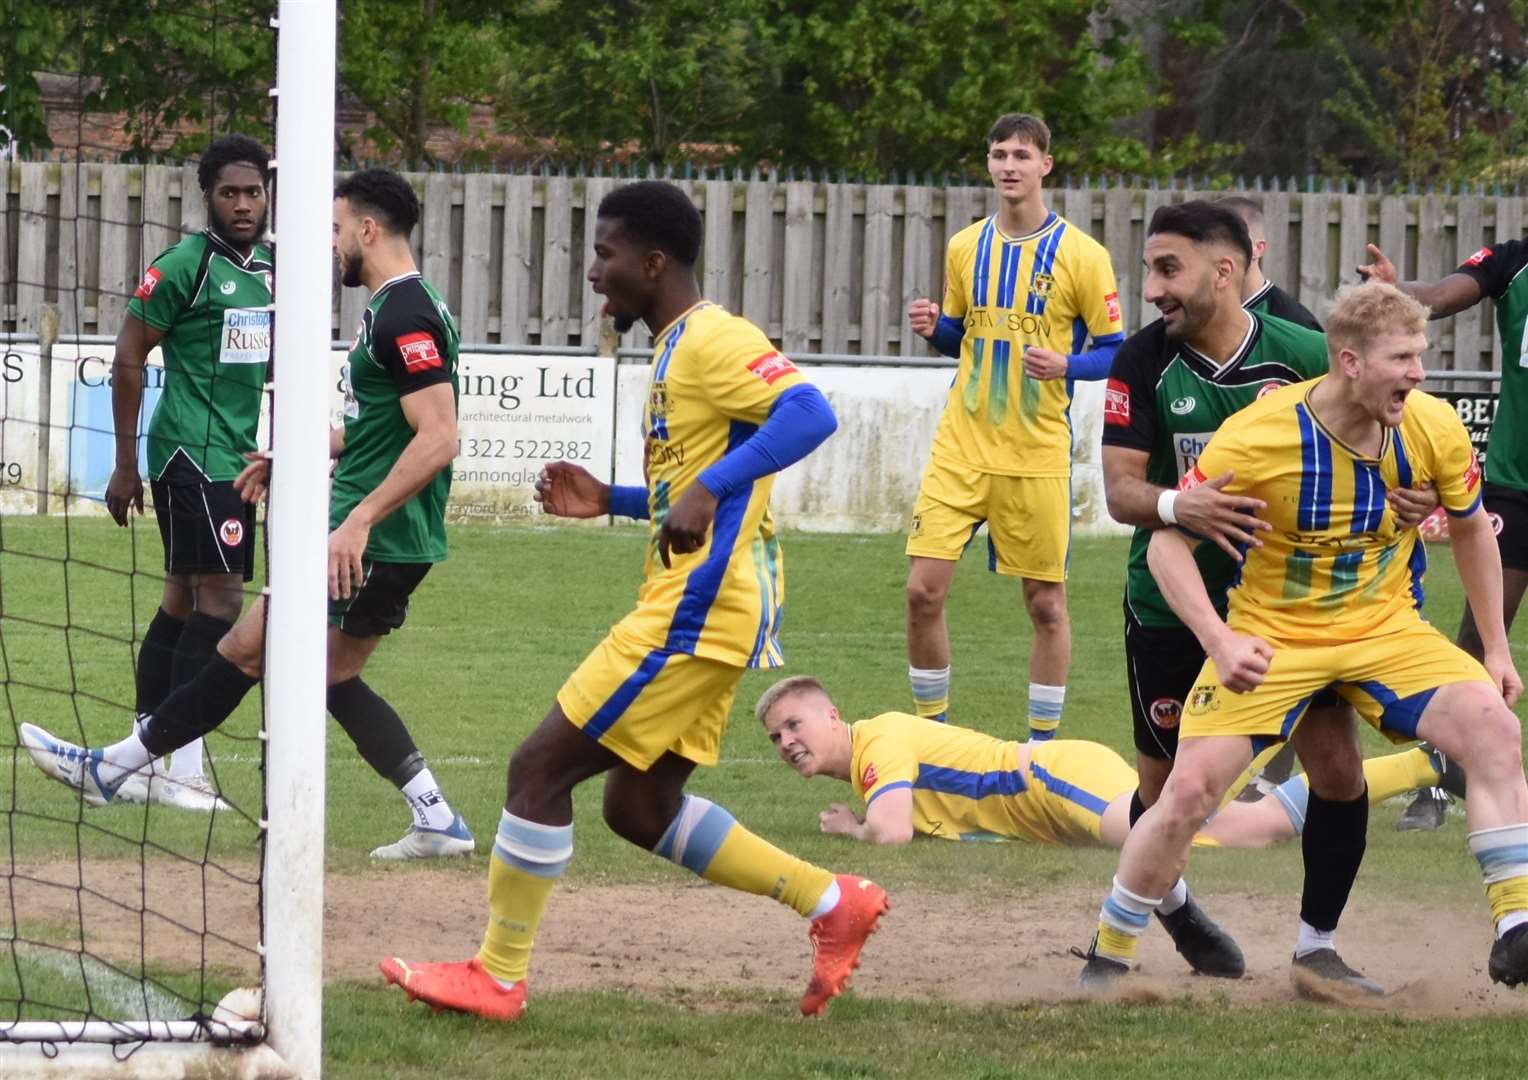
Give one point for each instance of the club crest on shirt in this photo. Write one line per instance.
(657, 400)
(867, 776)
(1041, 285)
(231, 532)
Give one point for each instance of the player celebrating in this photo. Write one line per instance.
(1173, 384)
(1259, 295)
(1023, 291)
(941, 780)
(725, 412)
(1497, 272)
(386, 521)
(1331, 599)
(206, 304)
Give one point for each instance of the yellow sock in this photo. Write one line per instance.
(1116, 944)
(1507, 896)
(708, 841)
(516, 902)
(1395, 774)
(527, 860)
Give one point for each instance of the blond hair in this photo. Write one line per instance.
(1361, 313)
(796, 684)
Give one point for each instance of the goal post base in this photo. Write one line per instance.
(159, 1061)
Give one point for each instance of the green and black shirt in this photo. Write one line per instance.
(407, 341)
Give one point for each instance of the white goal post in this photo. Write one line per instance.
(294, 728)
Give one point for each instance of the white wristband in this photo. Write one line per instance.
(1165, 506)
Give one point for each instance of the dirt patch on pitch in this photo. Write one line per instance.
(690, 940)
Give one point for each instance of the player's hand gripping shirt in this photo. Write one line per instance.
(1335, 567)
(1165, 398)
(1502, 272)
(1053, 288)
(407, 341)
(714, 379)
(213, 307)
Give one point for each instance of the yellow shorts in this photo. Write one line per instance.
(1070, 784)
(1029, 519)
(640, 702)
(1389, 679)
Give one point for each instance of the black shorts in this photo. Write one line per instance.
(1508, 508)
(1161, 666)
(381, 602)
(205, 526)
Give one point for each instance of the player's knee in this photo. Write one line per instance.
(1188, 798)
(248, 656)
(925, 600)
(1047, 609)
(219, 601)
(1490, 734)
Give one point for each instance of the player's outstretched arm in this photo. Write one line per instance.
(1479, 561)
(1451, 295)
(888, 819)
(1241, 660)
(135, 340)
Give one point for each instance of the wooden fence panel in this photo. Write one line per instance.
(820, 266)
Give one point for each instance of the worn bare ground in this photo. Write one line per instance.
(663, 940)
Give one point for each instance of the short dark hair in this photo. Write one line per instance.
(231, 150)
(1022, 126)
(1204, 223)
(1250, 210)
(659, 215)
(383, 195)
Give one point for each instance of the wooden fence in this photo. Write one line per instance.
(824, 267)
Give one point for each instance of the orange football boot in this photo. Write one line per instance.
(462, 987)
(838, 937)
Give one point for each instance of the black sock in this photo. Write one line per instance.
(377, 731)
(1333, 843)
(198, 644)
(197, 707)
(156, 661)
(1137, 807)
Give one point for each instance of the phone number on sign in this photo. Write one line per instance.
(527, 449)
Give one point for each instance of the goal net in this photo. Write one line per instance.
(175, 930)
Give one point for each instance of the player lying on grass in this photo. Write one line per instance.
(917, 775)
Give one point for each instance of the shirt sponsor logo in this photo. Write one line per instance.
(231, 532)
(246, 336)
(1479, 257)
(1183, 406)
(1187, 446)
(146, 286)
(419, 352)
(227, 288)
(1191, 479)
(1166, 712)
(867, 777)
(1111, 304)
(771, 367)
(1117, 403)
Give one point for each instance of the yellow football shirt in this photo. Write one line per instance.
(1335, 566)
(961, 780)
(714, 379)
(1052, 288)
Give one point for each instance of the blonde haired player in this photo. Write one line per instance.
(1024, 290)
(1331, 598)
(920, 777)
(724, 413)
